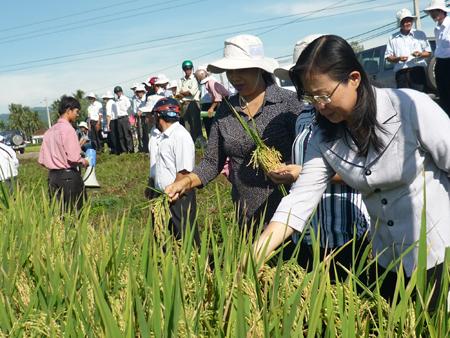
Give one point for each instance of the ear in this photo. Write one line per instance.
(355, 78)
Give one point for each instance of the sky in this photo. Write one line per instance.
(50, 48)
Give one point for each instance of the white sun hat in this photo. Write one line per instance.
(83, 124)
(403, 14)
(283, 72)
(243, 51)
(133, 87)
(172, 84)
(437, 4)
(91, 94)
(139, 88)
(162, 79)
(108, 95)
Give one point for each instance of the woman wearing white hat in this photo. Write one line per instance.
(271, 109)
(438, 11)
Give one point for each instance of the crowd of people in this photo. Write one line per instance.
(356, 158)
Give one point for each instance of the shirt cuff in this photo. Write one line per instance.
(291, 220)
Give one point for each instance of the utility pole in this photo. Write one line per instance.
(48, 113)
(417, 14)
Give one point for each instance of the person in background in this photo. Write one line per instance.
(408, 49)
(132, 116)
(189, 94)
(267, 107)
(61, 154)
(341, 214)
(141, 123)
(111, 121)
(216, 92)
(149, 86)
(439, 13)
(95, 111)
(389, 144)
(83, 136)
(172, 152)
(9, 166)
(172, 86)
(124, 138)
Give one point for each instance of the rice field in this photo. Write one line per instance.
(106, 273)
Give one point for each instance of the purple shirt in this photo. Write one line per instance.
(60, 148)
(216, 90)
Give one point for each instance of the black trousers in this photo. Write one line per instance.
(112, 137)
(94, 135)
(183, 212)
(414, 78)
(442, 73)
(124, 138)
(142, 132)
(387, 288)
(207, 121)
(68, 185)
(192, 117)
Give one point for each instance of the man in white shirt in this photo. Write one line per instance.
(189, 93)
(9, 166)
(407, 49)
(141, 124)
(172, 152)
(94, 111)
(111, 121)
(124, 137)
(439, 13)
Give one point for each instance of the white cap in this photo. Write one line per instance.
(108, 95)
(162, 79)
(172, 84)
(83, 125)
(133, 87)
(140, 88)
(91, 94)
(437, 4)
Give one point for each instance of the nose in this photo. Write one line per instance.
(319, 105)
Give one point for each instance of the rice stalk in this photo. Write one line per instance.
(159, 207)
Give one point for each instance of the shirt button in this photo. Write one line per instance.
(368, 172)
(384, 201)
(390, 223)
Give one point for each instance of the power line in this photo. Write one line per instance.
(25, 36)
(271, 28)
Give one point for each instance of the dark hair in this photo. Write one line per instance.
(68, 102)
(333, 56)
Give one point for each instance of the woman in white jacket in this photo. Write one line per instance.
(386, 143)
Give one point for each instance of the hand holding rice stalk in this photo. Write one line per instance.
(159, 207)
(265, 157)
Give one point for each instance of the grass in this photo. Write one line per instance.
(106, 274)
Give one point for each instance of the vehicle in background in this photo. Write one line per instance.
(381, 71)
(15, 139)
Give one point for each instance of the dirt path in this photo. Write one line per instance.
(28, 156)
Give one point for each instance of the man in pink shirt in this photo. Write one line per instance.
(215, 90)
(61, 155)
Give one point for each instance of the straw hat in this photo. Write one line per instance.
(108, 95)
(243, 51)
(403, 14)
(437, 4)
(283, 72)
(91, 94)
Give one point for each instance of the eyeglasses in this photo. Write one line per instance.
(321, 99)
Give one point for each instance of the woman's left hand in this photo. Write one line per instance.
(286, 174)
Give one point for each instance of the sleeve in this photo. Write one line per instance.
(194, 89)
(184, 153)
(127, 103)
(389, 49)
(305, 194)
(214, 158)
(424, 43)
(72, 148)
(433, 128)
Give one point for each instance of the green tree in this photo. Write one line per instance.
(24, 119)
(357, 47)
(3, 125)
(84, 103)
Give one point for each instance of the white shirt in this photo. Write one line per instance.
(123, 104)
(111, 109)
(9, 164)
(442, 34)
(94, 110)
(170, 152)
(137, 103)
(151, 101)
(406, 45)
(190, 84)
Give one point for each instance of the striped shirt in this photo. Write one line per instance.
(341, 209)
